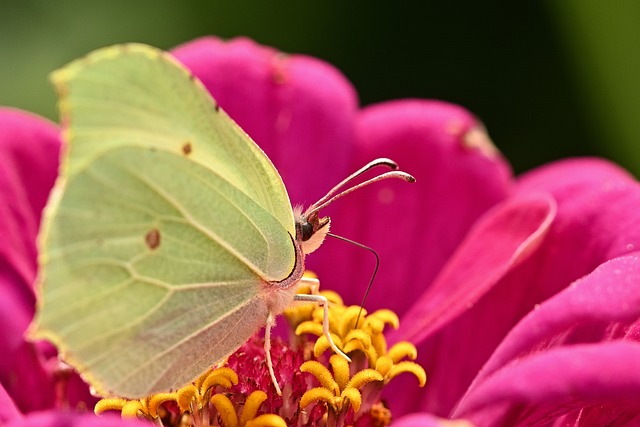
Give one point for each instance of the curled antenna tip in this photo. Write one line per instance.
(401, 175)
(383, 161)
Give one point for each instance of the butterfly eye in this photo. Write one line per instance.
(306, 229)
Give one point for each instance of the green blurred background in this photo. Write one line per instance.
(549, 79)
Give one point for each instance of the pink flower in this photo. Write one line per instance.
(28, 168)
(479, 264)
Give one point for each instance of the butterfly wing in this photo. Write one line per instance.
(135, 94)
(154, 259)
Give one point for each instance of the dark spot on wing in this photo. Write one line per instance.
(187, 148)
(152, 238)
(216, 107)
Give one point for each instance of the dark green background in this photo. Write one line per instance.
(550, 79)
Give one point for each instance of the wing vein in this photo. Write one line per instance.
(195, 224)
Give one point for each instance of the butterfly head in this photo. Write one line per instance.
(310, 230)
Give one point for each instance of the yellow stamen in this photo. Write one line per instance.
(364, 377)
(226, 410)
(349, 318)
(194, 396)
(387, 317)
(147, 407)
(379, 343)
(224, 377)
(252, 406)
(341, 389)
(132, 408)
(355, 345)
(322, 374)
(266, 420)
(158, 399)
(410, 367)
(198, 382)
(384, 365)
(316, 394)
(322, 344)
(358, 335)
(309, 327)
(401, 350)
(353, 396)
(340, 369)
(104, 405)
(248, 417)
(185, 396)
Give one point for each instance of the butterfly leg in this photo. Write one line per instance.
(322, 301)
(267, 351)
(314, 284)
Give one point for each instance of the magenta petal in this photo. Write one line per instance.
(300, 110)
(537, 389)
(565, 176)
(26, 378)
(501, 241)
(414, 227)
(421, 420)
(586, 311)
(514, 228)
(28, 168)
(597, 218)
(70, 419)
(8, 409)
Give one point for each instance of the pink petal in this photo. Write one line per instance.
(423, 420)
(586, 311)
(515, 229)
(413, 227)
(624, 412)
(502, 240)
(28, 168)
(564, 176)
(25, 377)
(8, 409)
(300, 110)
(540, 388)
(596, 221)
(70, 419)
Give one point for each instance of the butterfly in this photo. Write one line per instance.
(169, 238)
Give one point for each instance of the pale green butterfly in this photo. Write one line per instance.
(169, 238)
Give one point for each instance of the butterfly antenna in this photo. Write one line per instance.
(373, 275)
(322, 203)
(372, 164)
